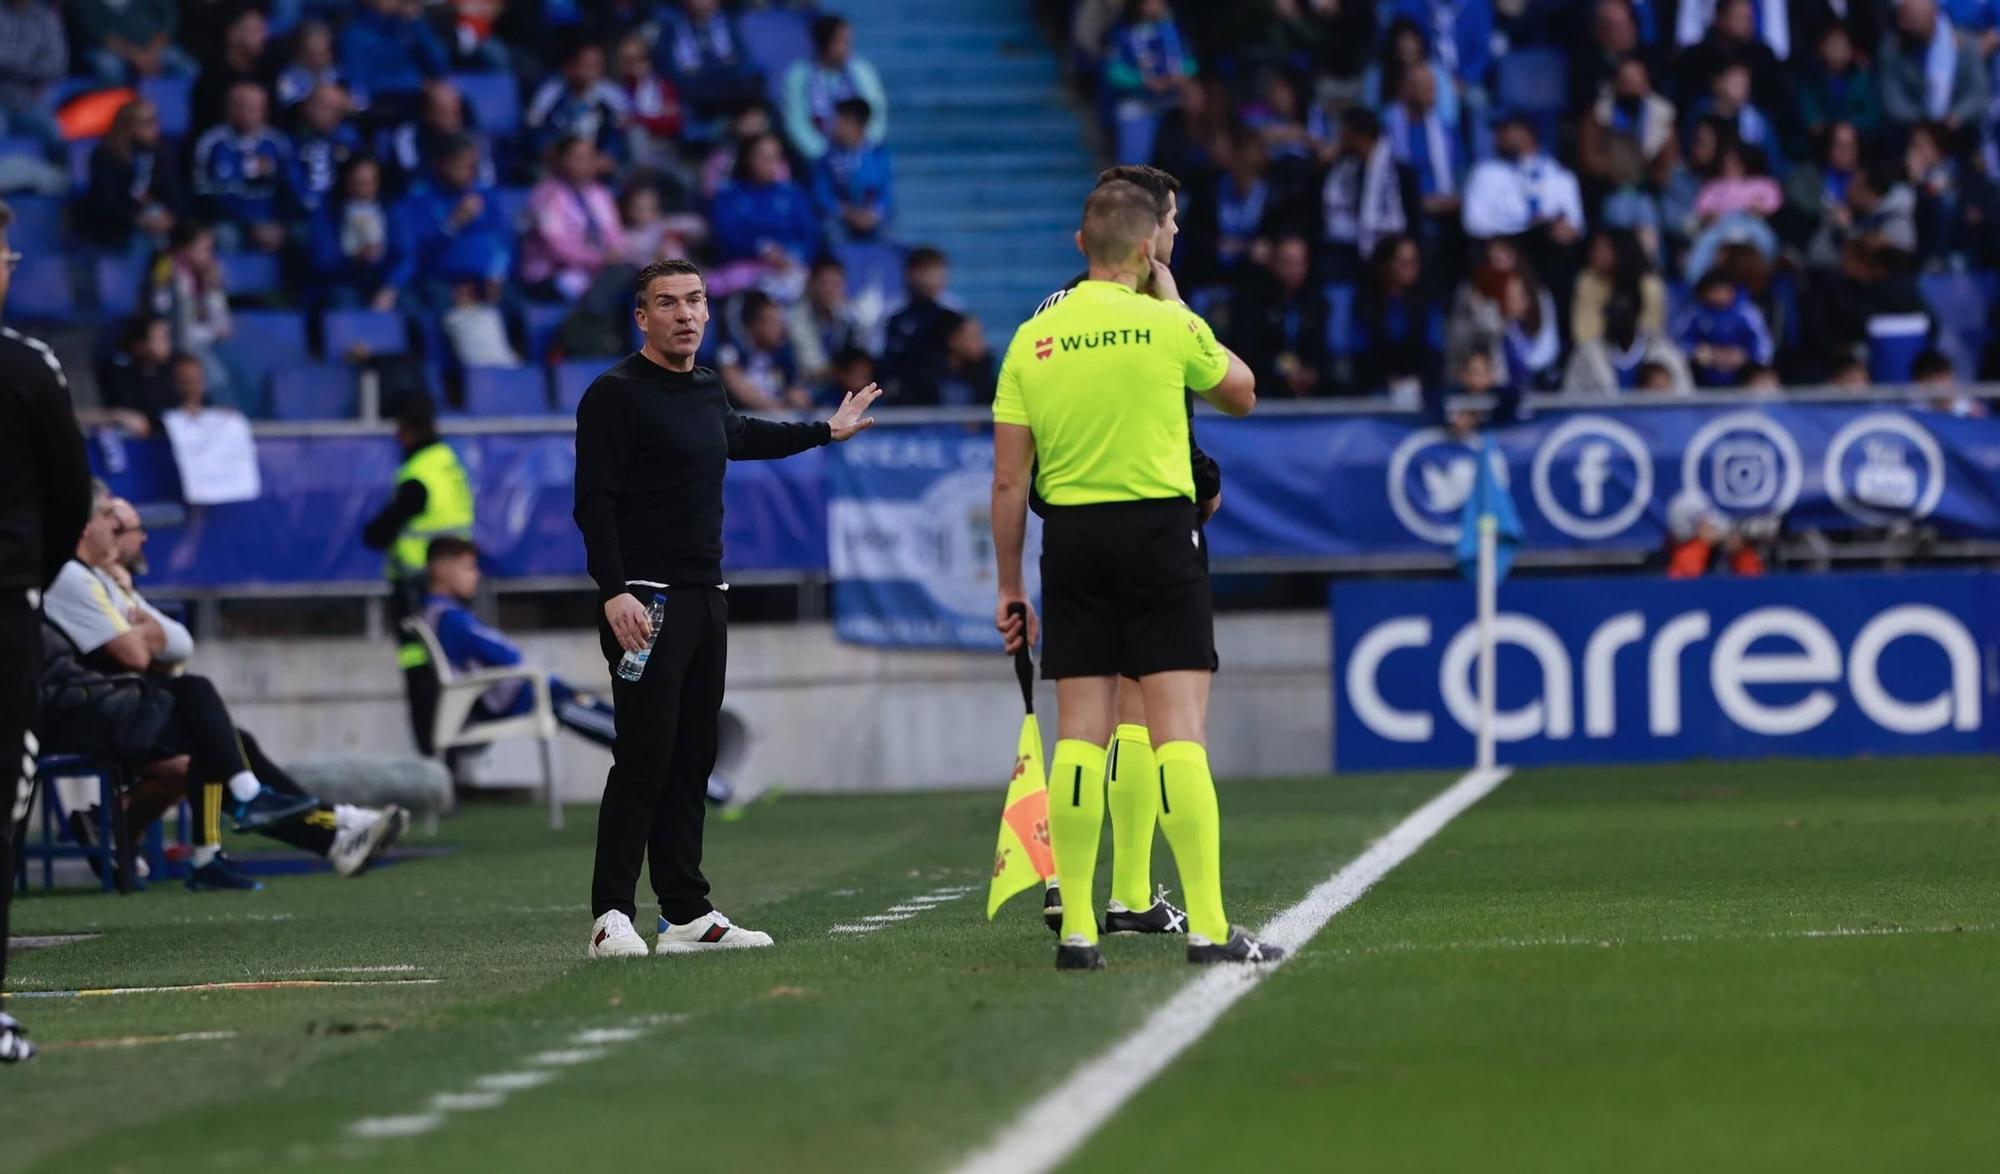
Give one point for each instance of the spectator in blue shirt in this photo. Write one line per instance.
(351, 246)
(387, 52)
(700, 49)
(242, 172)
(758, 367)
(814, 89)
(1723, 333)
(580, 103)
(851, 182)
(453, 564)
(1145, 73)
(763, 217)
(452, 230)
(312, 65)
(1460, 33)
(325, 142)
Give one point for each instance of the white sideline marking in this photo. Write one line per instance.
(465, 1102)
(567, 1058)
(408, 1126)
(606, 1035)
(903, 910)
(399, 968)
(141, 1041)
(514, 1081)
(854, 929)
(1051, 1129)
(1788, 935)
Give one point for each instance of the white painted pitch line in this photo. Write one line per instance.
(567, 1058)
(854, 929)
(410, 1125)
(1051, 1129)
(885, 918)
(466, 1102)
(141, 1041)
(1869, 931)
(514, 1081)
(400, 968)
(595, 1036)
(903, 910)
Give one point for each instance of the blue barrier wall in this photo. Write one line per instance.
(1651, 669)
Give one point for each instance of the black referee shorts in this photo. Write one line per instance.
(1125, 591)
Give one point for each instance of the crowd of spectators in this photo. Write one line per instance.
(1386, 197)
(343, 143)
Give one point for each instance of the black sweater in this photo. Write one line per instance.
(44, 476)
(651, 447)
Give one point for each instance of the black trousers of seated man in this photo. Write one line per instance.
(202, 726)
(20, 707)
(653, 804)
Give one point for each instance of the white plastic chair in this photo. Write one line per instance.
(459, 692)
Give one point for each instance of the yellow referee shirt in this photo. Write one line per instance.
(1099, 379)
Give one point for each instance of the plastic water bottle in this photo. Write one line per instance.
(633, 665)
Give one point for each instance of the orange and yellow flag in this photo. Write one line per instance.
(1023, 858)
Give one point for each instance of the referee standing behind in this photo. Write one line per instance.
(654, 435)
(44, 502)
(1090, 407)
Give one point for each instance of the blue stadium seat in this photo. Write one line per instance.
(1534, 83)
(250, 275)
(118, 280)
(42, 290)
(573, 379)
(506, 391)
(172, 97)
(542, 321)
(1340, 320)
(314, 391)
(79, 160)
(381, 331)
(37, 226)
(494, 99)
(876, 267)
(20, 145)
(774, 39)
(263, 342)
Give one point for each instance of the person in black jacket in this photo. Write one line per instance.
(654, 435)
(135, 183)
(44, 502)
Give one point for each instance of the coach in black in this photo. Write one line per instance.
(44, 502)
(653, 438)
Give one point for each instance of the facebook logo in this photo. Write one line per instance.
(1592, 477)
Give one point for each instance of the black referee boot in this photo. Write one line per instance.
(1052, 908)
(1240, 947)
(1163, 917)
(1076, 954)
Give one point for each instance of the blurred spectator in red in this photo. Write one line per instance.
(580, 102)
(243, 172)
(34, 55)
(574, 232)
(764, 223)
(822, 324)
(1398, 324)
(351, 246)
(853, 183)
(814, 89)
(312, 65)
(1834, 86)
(1929, 70)
(135, 191)
(245, 58)
(1279, 319)
(701, 50)
(324, 142)
(126, 40)
(757, 366)
(652, 107)
(1145, 74)
(1702, 542)
(388, 52)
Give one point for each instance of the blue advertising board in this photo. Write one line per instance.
(1653, 669)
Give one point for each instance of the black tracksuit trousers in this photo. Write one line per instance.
(654, 799)
(20, 707)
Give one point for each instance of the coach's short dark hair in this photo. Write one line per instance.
(1117, 217)
(449, 546)
(671, 267)
(1155, 182)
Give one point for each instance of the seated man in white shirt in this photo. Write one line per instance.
(1528, 196)
(94, 603)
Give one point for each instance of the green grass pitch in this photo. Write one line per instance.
(1755, 967)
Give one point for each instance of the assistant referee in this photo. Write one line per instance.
(1090, 406)
(654, 435)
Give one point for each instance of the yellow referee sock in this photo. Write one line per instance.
(1134, 800)
(1193, 825)
(1076, 820)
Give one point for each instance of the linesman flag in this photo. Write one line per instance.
(1024, 857)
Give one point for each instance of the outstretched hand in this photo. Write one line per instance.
(850, 417)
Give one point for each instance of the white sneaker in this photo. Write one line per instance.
(612, 936)
(713, 932)
(357, 843)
